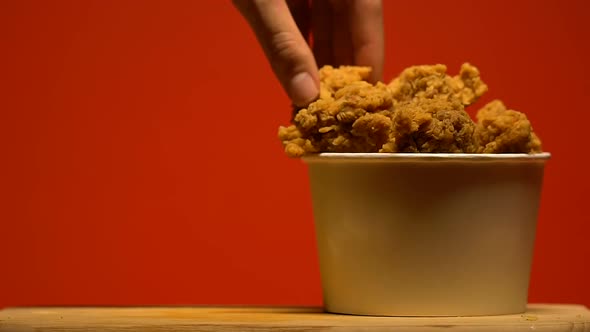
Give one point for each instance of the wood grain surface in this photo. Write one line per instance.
(538, 317)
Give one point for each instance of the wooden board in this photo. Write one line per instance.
(216, 319)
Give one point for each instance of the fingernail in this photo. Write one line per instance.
(303, 89)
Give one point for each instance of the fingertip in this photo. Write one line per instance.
(303, 89)
(376, 74)
(368, 36)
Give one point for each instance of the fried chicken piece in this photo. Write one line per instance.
(468, 86)
(431, 125)
(500, 130)
(420, 82)
(295, 145)
(354, 117)
(333, 79)
(430, 81)
(422, 110)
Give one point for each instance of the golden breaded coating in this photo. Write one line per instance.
(432, 81)
(468, 86)
(333, 79)
(431, 125)
(420, 82)
(295, 145)
(356, 117)
(500, 130)
(422, 110)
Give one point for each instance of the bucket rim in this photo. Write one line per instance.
(397, 157)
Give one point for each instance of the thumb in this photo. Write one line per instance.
(285, 48)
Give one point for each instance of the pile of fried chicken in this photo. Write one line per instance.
(422, 110)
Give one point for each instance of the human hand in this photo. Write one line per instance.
(342, 32)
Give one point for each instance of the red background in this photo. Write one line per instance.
(140, 163)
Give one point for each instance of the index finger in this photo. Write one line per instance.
(366, 28)
(285, 48)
